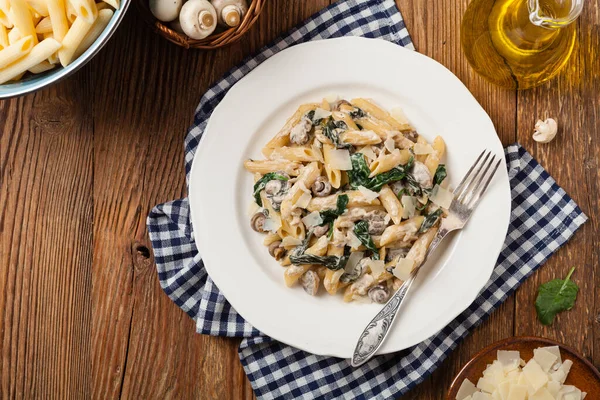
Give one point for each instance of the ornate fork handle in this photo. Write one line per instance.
(376, 331)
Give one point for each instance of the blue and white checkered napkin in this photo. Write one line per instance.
(543, 218)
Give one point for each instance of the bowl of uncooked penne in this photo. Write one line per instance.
(44, 41)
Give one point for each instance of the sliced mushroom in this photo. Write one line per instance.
(310, 282)
(300, 132)
(377, 224)
(358, 270)
(422, 175)
(258, 221)
(379, 294)
(321, 230)
(545, 130)
(392, 254)
(321, 187)
(336, 105)
(273, 187)
(276, 250)
(276, 190)
(397, 187)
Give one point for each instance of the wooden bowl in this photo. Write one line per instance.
(218, 39)
(583, 374)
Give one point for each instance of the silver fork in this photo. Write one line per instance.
(466, 197)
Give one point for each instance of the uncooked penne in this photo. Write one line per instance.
(3, 37)
(104, 16)
(113, 3)
(44, 26)
(39, 53)
(15, 51)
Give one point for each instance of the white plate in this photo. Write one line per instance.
(434, 100)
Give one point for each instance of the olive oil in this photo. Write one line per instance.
(519, 44)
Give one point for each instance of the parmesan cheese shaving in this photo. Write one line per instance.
(441, 197)
(504, 379)
(313, 219)
(398, 114)
(369, 194)
(408, 202)
(320, 113)
(352, 240)
(332, 98)
(422, 148)
(340, 159)
(368, 152)
(353, 259)
(290, 241)
(389, 144)
(272, 224)
(377, 267)
(403, 268)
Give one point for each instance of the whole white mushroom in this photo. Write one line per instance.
(198, 19)
(165, 10)
(230, 12)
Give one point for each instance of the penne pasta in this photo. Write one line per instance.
(299, 154)
(104, 16)
(113, 3)
(360, 138)
(283, 136)
(39, 6)
(385, 163)
(39, 53)
(355, 198)
(379, 113)
(266, 166)
(15, 51)
(333, 175)
(14, 36)
(433, 160)
(72, 39)
(44, 26)
(22, 19)
(391, 203)
(41, 67)
(403, 231)
(307, 177)
(58, 16)
(3, 37)
(84, 9)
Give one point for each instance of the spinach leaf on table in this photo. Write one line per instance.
(361, 230)
(262, 182)
(430, 220)
(555, 296)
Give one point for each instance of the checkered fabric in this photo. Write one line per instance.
(543, 218)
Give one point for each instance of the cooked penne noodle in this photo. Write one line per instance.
(103, 6)
(266, 166)
(22, 19)
(379, 113)
(299, 154)
(84, 9)
(283, 136)
(385, 163)
(403, 231)
(14, 36)
(72, 39)
(39, 53)
(4, 10)
(39, 6)
(44, 26)
(333, 175)
(58, 16)
(339, 216)
(15, 51)
(391, 203)
(3, 37)
(360, 138)
(104, 16)
(41, 67)
(71, 14)
(113, 3)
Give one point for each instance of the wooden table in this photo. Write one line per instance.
(83, 162)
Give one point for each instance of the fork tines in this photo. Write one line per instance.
(477, 179)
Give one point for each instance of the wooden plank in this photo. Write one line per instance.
(572, 159)
(434, 28)
(46, 214)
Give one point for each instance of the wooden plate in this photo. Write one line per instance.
(583, 374)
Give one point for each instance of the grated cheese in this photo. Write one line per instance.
(377, 267)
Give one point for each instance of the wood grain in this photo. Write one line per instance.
(81, 311)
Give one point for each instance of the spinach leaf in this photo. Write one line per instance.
(413, 186)
(430, 220)
(298, 256)
(357, 113)
(332, 262)
(555, 296)
(361, 230)
(440, 175)
(329, 130)
(359, 175)
(329, 216)
(262, 182)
